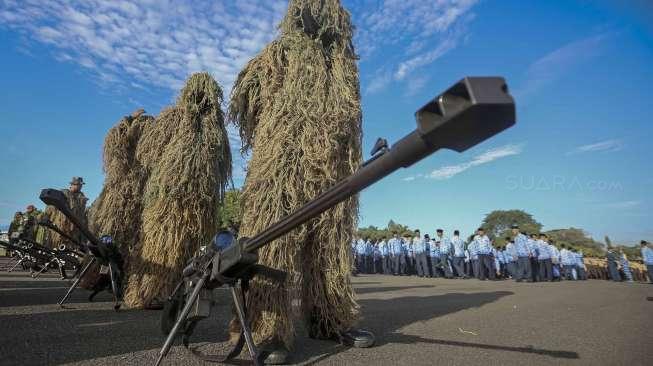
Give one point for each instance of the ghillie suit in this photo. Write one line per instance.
(297, 105)
(77, 203)
(117, 211)
(187, 158)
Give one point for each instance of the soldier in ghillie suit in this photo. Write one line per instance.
(77, 203)
(297, 105)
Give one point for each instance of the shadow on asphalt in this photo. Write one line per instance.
(40, 294)
(369, 290)
(380, 317)
(77, 335)
(410, 339)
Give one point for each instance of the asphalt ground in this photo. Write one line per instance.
(416, 321)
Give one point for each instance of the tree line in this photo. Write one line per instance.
(496, 224)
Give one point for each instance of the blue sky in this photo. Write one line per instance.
(579, 71)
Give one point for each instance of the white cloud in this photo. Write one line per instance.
(622, 205)
(394, 25)
(555, 64)
(608, 146)
(155, 43)
(449, 171)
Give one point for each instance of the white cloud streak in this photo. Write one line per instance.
(489, 156)
(555, 64)
(148, 42)
(605, 146)
(622, 205)
(396, 24)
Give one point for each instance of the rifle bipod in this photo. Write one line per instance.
(238, 288)
(18, 263)
(80, 275)
(46, 266)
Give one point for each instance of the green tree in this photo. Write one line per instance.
(497, 224)
(576, 239)
(230, 212)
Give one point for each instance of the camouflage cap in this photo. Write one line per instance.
(77, 180)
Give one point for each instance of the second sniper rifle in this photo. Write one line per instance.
(468, 113)
(102, 251)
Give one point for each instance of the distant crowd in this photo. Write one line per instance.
(529, 258)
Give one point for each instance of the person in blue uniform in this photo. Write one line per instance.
(647, 258)
(523, 252)
(544, 259)
(472, 248)
(458, 255)
(555, 261)
(360, 256)
(485, 259)
(394, 245)
(377, 257)
(419, 247)
(369, 256)
(445, 252)
(580, 266)
(568, 262)
(435, 258)
(510, 257)
(535, 268)
(613, 259)
(383, 249)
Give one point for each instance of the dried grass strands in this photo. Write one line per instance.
(297, 105)
(187, 157)
(117, 211)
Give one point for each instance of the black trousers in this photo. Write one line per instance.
(458, 266)
(421, 264)
(614, 272)
(523, 269)
(486, 262)
(535, 270)
(446, 267)
(511, 267)
(435, 267)
(476, 268)
(546, 269)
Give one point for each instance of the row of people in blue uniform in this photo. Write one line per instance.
(523, 258)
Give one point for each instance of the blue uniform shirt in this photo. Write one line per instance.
(567, 257)
(360, 247)
(510, 254)
(542, 250)
(555, 254)
(579, 259)
(369, 248)
(435, 250)
(521, 245)
(458, 247)
(472, 248)
(445, 245)
(419, 245)
(532, 247)
(647, 256)
(484, 246)
(383, 248)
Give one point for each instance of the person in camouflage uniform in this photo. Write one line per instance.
(34, 231)
(14, 227)
(77, 203)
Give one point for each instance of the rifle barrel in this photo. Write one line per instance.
(469, 112)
